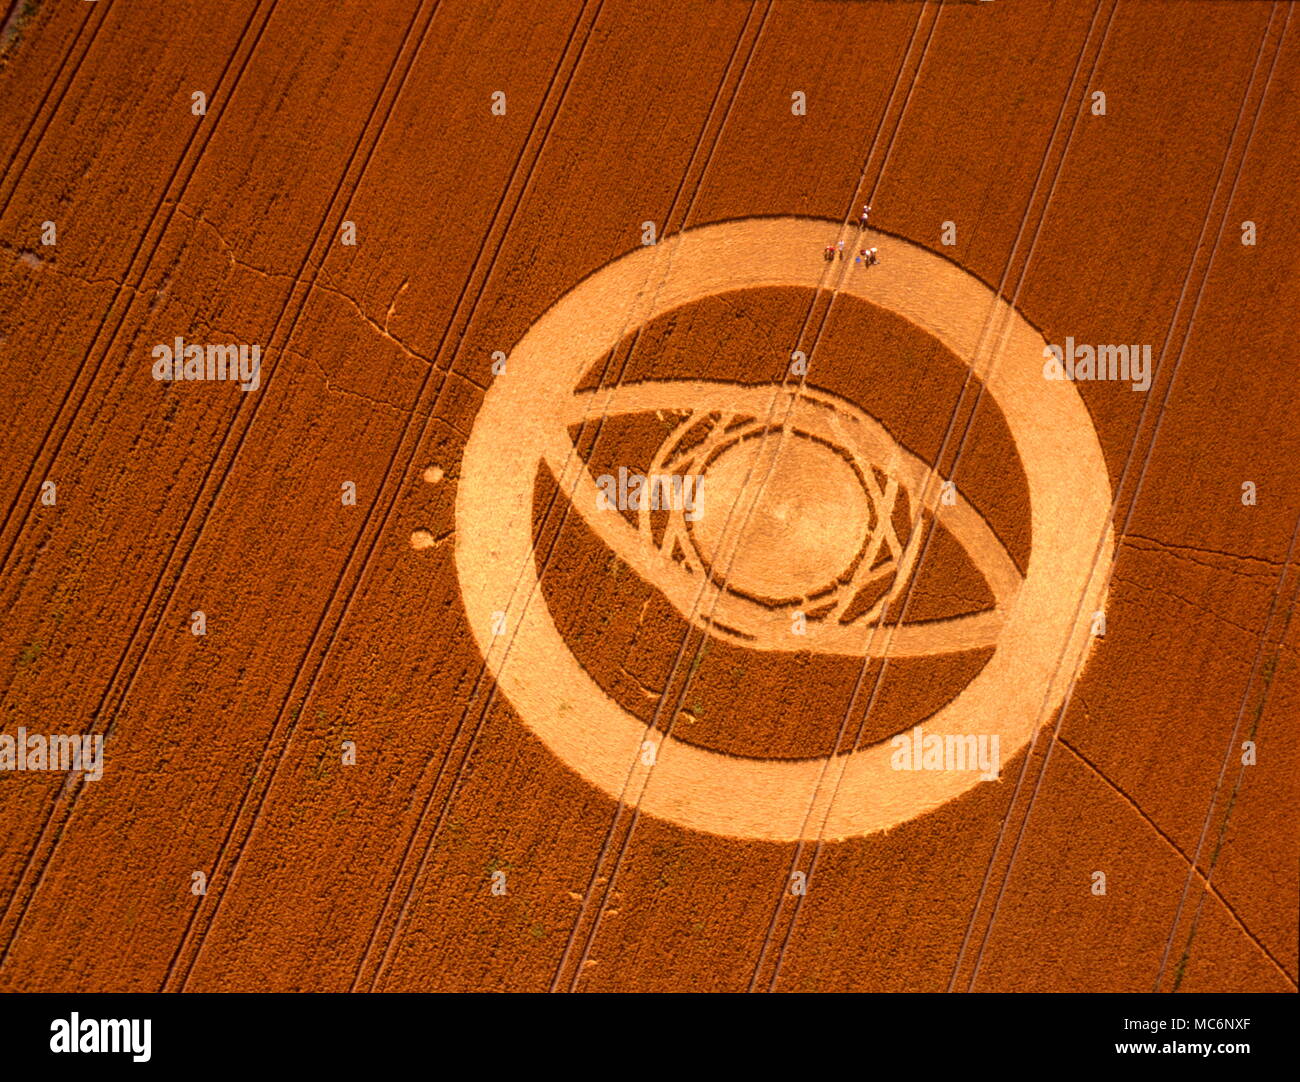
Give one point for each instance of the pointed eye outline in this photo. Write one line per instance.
(704, 602)
(1045, 637)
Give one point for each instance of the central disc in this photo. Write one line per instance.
(784, 516)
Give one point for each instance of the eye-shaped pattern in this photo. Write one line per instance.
(1040, 622)
(804, 515)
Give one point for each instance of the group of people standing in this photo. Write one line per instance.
(867, 256)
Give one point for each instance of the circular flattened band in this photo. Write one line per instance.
(1043, 637)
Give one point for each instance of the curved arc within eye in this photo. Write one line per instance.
(703, 601)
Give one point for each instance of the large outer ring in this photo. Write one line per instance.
(1044, 639)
